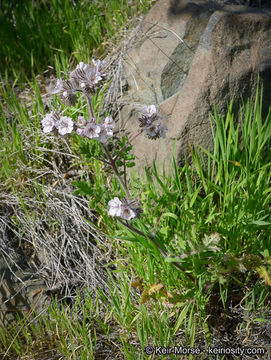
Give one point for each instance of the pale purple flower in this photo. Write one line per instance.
(152, 131)
(49, 122)
(80, 124)
(92, 76)
(127, 213)
(82, 66)
(157, 130)
(85, 78)
(80, 132)
(92, 130)
(81, 121)
(99, 66)
(115, 207)
(105, 133)
(149, 110)
(109, 122)
(65, 125)
(149, 115)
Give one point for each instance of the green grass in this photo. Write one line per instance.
(58, 30)
(212, 216)
(59, 35)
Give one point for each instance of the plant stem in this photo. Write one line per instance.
(90, 108)
(130, 140)
(162, 252)
(115, 169)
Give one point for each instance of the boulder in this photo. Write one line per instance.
(193, 55)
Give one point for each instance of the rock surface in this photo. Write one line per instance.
(20, 292)
(191, 56)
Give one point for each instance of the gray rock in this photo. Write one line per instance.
(21, 291)
(187, 61)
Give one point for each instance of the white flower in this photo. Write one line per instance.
(149, 110)
(115, 207)
(49, 122)
(99, 65)
(80, 132)
(109, 122)
(106, 132)
(81, 121)
(59, 87)
(127, 213)
(93, 76)
(157, 130)
(118, 209)
(65, 125)
(92, 130)
(82, 66)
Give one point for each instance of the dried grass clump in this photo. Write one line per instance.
(56, 241)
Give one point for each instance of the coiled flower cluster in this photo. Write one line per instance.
(149, 120)
(84, 78)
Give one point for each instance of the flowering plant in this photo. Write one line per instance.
(86, 79)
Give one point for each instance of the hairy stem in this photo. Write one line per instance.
(130, 140)
(90, 108)
(115, 169)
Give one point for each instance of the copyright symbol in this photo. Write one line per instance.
(149, 350)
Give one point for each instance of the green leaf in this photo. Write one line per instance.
(84, 188)
(181, 318)
(195, 196)
(169, 214)
(260, 222)
(170, 260)
(119, 163)
(260, 320)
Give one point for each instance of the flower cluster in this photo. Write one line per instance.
(87, 78)
(126, 210)
(91, 130)
(84, 78)
(53, 122)
(148, 119)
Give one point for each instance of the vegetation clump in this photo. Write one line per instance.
(140, 264)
